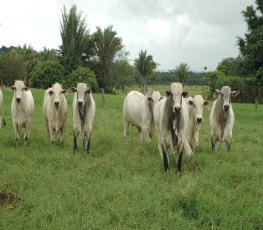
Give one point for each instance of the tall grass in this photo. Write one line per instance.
(123, 186)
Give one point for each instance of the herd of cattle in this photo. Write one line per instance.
(175, 118)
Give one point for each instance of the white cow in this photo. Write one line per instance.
(138, 110)
(170, 120)
(222, 118)
(22, 107)
(55, 111)
(195, 106)
(83, 114)
(2, 120)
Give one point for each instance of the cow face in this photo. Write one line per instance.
(176, 93)
(82, 91)
(55, 92)
(18, 88)
(225, 93)
(197, 104)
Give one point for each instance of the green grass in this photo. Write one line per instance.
(123, 186)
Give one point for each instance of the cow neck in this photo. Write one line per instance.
(82, 111)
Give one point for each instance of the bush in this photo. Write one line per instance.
(45, 74)
(84, 75)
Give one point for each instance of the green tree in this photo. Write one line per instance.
(232, 66)
(75, 38)
(210, 79)
(81, 74)
(182, 72)
(146, 67)
(48, 55)
(251, 46)
(12, 68)
(106, 46)
(45, 74)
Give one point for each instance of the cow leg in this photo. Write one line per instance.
(51, 133)
(213, 143)
(16, 131)
(165, 159)
(63, 129)
(47, 127)
(75, 141)
(179, 164)
(228, 144)
(126, 130)
(86, 140)
(145, 132)
(27, 131)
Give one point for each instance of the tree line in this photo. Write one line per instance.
(100, 59)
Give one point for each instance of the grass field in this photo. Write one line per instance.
(123, 186)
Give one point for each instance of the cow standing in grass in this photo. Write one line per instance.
(22, 107)
(55, 112)
(171, 119)
(222, 118)
(195, 106)
(83, 114)
(138, 110)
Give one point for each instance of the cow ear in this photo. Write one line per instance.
(13, 88)
(64, 91)
(149, 99)
(88, 91)
(168, 93)
(191, 103)
(235, 93)
(72, 90)
(26, 88)
(50, 92)
(218, 91)
(206, 103)
(185, 94)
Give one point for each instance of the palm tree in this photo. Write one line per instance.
(74, 35)
(182, 71)
(146, 66)
(106, 45)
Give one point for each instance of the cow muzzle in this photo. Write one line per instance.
(18, 100)
(56, 104)
(199, 120)
(226, 108)
(177, 109)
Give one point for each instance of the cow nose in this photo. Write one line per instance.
(199, 120)
(177, 109)
(18, 100)
(56, 104)
(226, 107)
(80, 103)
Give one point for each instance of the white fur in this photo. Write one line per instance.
(55, 117)
(21, 112)
(86, 130)
(138, 110)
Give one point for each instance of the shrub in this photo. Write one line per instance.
(45, 74)
(84, 75)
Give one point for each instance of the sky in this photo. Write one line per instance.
(198, 32)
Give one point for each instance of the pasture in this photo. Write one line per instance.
(124, 186)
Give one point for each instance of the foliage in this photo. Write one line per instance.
(106, 45)
(123, 186)
(181, 72)
(12, 68)
(146, 66)
(48, 55)
(45, 74)
(232, 66)
(74, 35)
(210, 80)
(82, 74)
(251, 46)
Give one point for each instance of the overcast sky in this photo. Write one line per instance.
(198, 32)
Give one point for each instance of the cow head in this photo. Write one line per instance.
(19, 88)
(197, 105)
(55, 92)
(225, 94)
(175, 93)
(82, 91)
